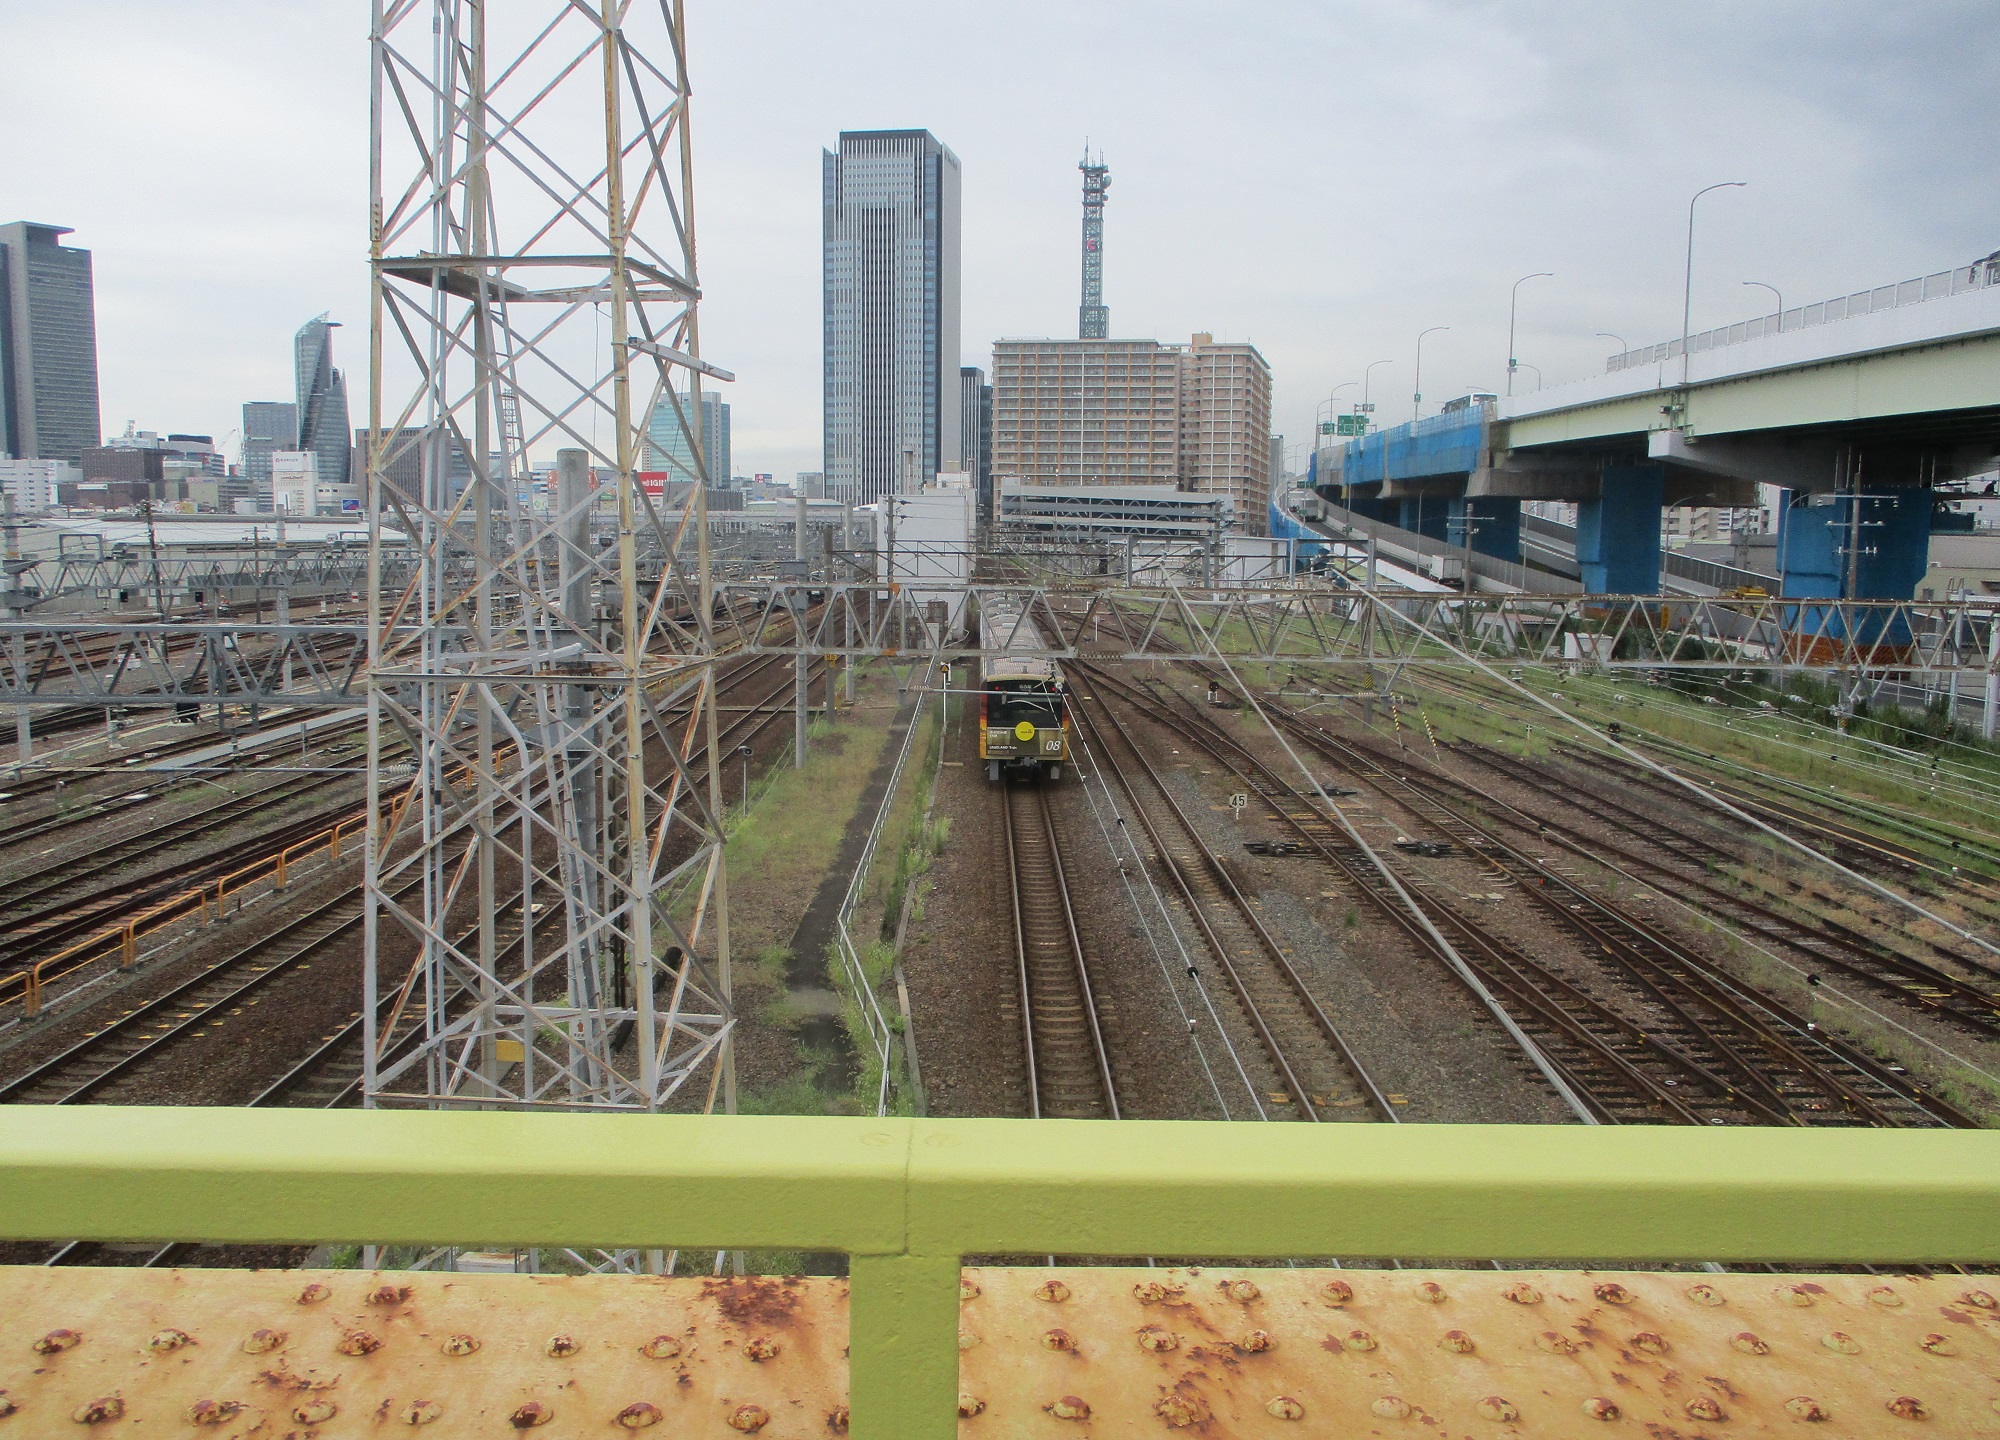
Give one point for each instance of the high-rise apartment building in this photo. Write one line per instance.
(666, 440)
(1226, 427)
(48, 345)
(1087, 412)
(975, 433)
(322, 399)
(890, 236)
(268, 425)
(1136, 412)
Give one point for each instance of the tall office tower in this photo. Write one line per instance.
(1226, 427)
(48, 345)
(1136, 412)
(986, 445)
(322, 399)
(890, 233)
(667, 441)
(268, 425)
(975, 447)
(1093, 317)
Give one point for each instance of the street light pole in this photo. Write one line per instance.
(1513, 303)
(1417, 399)
(1607, 335)
(1781, 300)
(1367, 375)
(1687, 284)
(1326, 408)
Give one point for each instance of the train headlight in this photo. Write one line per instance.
(1025, 731)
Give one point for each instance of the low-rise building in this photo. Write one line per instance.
(35, 485)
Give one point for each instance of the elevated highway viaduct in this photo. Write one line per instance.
(1857, 410)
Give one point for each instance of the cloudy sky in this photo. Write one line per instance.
(1320, 177)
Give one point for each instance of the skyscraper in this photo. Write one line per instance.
(890, 233)
(975, 433)
(48, 345)
(666, 441)
(268, 425)
(322, 399)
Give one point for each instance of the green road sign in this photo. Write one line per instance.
(1353, 425)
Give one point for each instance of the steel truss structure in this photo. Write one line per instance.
(536, 904)
(1312, 622)
(76, 663)
(306, 570)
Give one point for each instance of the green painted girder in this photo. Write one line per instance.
(907, 1198)
(1949, 375)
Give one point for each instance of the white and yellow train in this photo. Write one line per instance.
(1023, 701)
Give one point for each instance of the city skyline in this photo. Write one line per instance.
(1303, 209)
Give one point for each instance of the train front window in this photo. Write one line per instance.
(1038, 707)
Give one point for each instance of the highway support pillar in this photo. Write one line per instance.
(1872, 545)
(1489, 525)
(1618, 534)
(1427, 515)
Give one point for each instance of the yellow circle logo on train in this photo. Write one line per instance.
(1025, 731)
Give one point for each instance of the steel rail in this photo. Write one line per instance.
(1590, 1039)
(1262, 942)
(1062, 1037)
(1825, 942)
(1659, 963)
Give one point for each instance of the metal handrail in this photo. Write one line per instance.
(907, 1199)
(880, 1035)
(1842, 307)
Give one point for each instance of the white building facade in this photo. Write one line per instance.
(33, 485)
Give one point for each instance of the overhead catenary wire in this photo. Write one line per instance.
(1465, 972)
(1707, 795)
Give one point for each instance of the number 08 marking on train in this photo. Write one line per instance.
(1023, 700)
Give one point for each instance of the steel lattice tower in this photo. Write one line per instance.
(1093, 319)
(542, 852)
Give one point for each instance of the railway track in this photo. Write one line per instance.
(133, 1042)
(1824, 943)
(1801, 1072)
(1315, 1075)
(56, 909)
(1623, 1072)
(1644, 1032)
(1068, 1068)
(224, 990)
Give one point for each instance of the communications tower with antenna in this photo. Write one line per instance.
(1093, 319)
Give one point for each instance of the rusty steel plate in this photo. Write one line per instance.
(302, 1353)
(1439, 1353)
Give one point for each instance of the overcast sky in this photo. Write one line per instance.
(1321, 178)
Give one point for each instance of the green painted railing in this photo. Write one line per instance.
(906, 1198)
